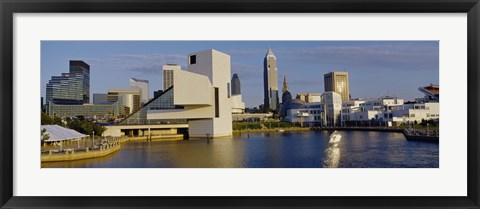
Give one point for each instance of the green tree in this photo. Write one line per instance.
(45, 136)
(46, 119)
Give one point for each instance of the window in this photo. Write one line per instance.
(228, 90)
(193, 59)
(217, 108)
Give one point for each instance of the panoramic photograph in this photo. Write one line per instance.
(240, 104)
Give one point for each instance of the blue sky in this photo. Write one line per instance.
(375, 68)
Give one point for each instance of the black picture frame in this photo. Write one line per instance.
(10, 7)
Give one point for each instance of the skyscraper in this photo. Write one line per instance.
(72, 87)
(236, 85)
(143, 86)
(338, 83)
(81, 71)
(270, 81)
(168, 75)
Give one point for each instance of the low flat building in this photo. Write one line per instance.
(238, 107)
(94, 111)
(311, 114)
(250, 117)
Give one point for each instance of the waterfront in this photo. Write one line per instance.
(310, 149)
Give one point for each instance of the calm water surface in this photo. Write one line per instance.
(356, 149)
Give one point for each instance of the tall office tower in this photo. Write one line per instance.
(70, 88)
(143, 86)
(270, 81)
(168, 75)
(285, 84)
(81, 71)
(236, 85)
(338, 83)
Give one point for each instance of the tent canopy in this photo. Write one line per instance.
(58, 133)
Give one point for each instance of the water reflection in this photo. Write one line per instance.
(332, 153)
(348, 149)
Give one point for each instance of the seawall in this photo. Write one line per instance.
(78, 155)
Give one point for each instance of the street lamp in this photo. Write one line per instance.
(93, 139)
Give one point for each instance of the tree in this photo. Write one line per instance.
(46, 119)
(45, 136)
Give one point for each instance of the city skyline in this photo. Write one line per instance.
(375, 68)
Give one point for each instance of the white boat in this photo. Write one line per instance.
(281, 130)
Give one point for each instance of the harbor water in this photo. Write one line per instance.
(309, 149)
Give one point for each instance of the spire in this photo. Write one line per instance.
(285, 84)
(270, 53)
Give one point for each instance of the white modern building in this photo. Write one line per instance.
(143, 86)
(168, 74)
(200, 96)
(238, 106)
(129, 99)
(332, 108)
(311, 114)
(387, 111)
(324, 113)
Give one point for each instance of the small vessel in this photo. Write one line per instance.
(281, 130)
(335, 137)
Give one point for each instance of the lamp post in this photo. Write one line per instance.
(93, 139)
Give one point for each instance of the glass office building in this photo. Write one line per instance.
(70, 87)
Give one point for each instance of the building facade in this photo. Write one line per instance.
(332, 102)
(168, 75)
(338, 83)
(387, 111)
(100, 98)
(129, 99)
(81, 71)
(143, 86)
(70, 87)
(270, 81)
(238, 106)
(236, 89)
(311, 114)
(94, 111)
(157, 93)
(200, 96)
(310, 97)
